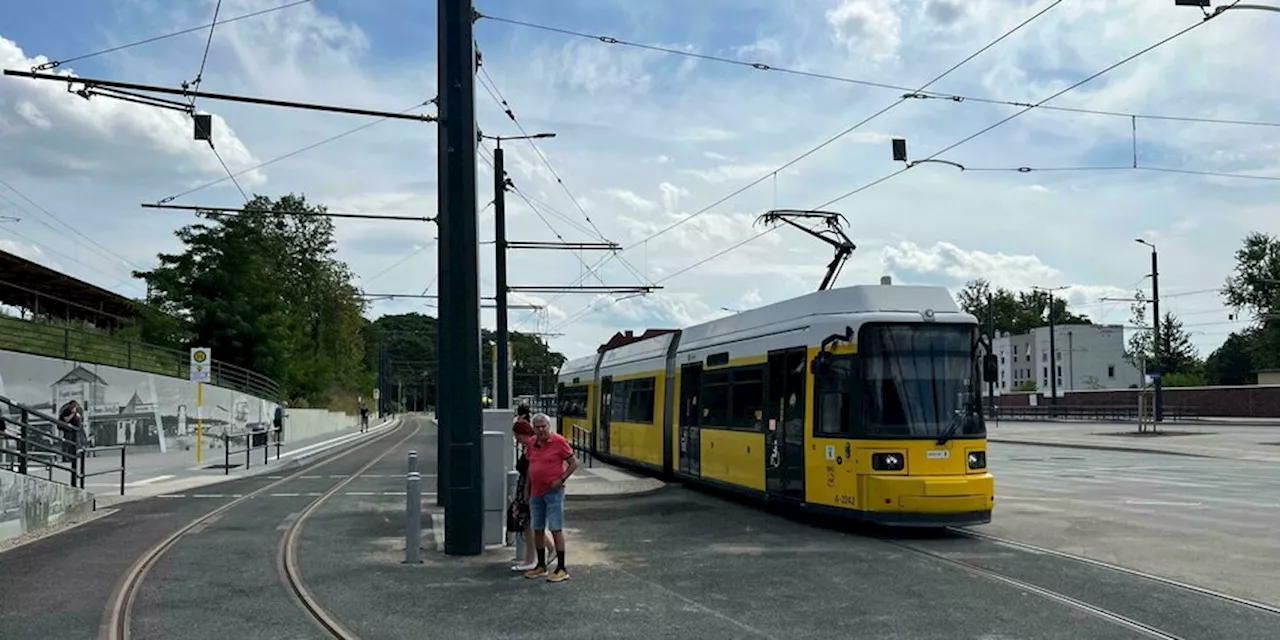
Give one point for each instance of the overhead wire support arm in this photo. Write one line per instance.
(832, 235)
(565, 246)
(132, 86)
(584, 289)
(237, 211)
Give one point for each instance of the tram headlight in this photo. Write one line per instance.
(977, 459)
(888, 461)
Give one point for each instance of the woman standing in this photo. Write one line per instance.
(518, 516)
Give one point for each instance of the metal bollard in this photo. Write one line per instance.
(413, 507)
(413, 462)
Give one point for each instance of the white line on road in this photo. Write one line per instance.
(288, 520)
(140, 483)
(284, 495)
(172, 495)
(1161, 503)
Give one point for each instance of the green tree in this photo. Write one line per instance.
(1255, 287)
(263, 290)
(1178, 356)
(1232, 362)
(1014, 312)
(409, 341)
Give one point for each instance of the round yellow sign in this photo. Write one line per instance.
(199, 356)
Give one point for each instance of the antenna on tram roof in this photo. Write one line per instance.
(832, 235)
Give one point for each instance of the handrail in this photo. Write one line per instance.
(248, 448)
(86, 346)
(67, 450)
(579, 441)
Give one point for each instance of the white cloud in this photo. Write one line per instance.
(645, 139)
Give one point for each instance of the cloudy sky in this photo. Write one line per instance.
(647, 140)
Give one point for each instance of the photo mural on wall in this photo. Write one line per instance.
(121, 406)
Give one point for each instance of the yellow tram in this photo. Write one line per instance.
(861, 401)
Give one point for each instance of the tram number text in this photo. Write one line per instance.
(845, 500)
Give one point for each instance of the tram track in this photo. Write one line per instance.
(118, 620)
(1102, 613)
(1169, 582)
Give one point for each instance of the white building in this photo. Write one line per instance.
(1088, 357)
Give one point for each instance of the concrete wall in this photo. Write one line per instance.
(122, 406)
(28, 503)
(304, 423)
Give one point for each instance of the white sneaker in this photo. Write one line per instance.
(525, 567)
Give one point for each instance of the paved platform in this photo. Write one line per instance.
(1233, 442)
(1209, 521)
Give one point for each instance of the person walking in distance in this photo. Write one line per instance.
(551, 462)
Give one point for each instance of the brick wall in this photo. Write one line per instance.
(1255, 401)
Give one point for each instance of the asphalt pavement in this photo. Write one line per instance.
(679, 562)
(1212, 522)
(59, 586)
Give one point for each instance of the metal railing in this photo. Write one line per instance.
(249, 447)
(49, 443)
(1095, 413)
(580, 441)
(98, 348)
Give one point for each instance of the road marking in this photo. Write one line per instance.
(337, 476)
(284, 495)
(288, 520)
(362, 493)
(172, 495)
(140, 483)
(1161, 503)
(207, 495)
(309, 477)
(275, 477)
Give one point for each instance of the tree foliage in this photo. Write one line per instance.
(265, 292)
(409, 341)
(1232, 362)
(1178, 359)
(1014, 312)
(1255, 287)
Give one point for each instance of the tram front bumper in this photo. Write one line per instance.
(930, 500)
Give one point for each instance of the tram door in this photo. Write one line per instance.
(690, 418)
(605, 409)
(784, 425)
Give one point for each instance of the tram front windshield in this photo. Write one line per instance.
(918, 380)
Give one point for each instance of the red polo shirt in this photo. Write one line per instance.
(546, 462)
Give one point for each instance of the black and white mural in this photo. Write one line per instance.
(129, 407)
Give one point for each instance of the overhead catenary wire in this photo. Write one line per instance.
(915, 94)
(828, 142)
(291, 154)
(1013, 116)
(53, 64)
(105, 252)
(486, 81)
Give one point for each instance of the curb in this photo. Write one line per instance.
(592, 497)
(1103, 447)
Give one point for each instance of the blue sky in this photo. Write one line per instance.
(645, 139)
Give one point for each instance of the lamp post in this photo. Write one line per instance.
(1053, 351)
(1204, 7)
(1155, 329)
(501, 386)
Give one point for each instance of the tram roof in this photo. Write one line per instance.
(881, 298)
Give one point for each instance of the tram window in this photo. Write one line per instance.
(572, 401)
(917, 379)
(834, 399)
(633, 401)
(715, 399)
(748, 398)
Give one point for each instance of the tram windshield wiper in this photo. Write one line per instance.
(957, 421)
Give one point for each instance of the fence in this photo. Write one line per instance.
(1093, 413)
(96, 348)
(36, 439)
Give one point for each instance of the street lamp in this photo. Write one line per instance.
(1053, 349)
(1204, 6)
(502, 391)
(1155, 328)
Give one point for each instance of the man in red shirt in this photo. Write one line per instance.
(547, 473)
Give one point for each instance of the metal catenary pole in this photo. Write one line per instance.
(459, 321)
(1155, 333)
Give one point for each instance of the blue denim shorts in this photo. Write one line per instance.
(548, 510)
